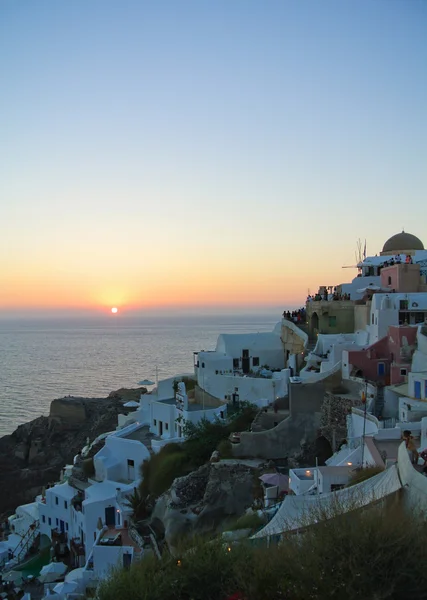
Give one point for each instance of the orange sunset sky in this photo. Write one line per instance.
(204, 155)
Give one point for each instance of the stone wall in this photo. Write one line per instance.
(299, 429)
(328, 316)
(333, 421)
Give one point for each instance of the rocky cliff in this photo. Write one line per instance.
(201, 501)
(34, 454)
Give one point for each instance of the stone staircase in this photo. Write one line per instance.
(379, 402)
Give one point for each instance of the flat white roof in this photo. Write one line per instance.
(64, 490)
(104, 490)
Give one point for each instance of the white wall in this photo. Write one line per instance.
(250, 389)
(391, 404)
(164, 413)
(357, 423)
(299, 486)
(417, 377)
(56, 508)
(414, 483)
(111, 461)
(106, 558)
(326, 480)
(417, 410)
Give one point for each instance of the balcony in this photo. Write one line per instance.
(59, 536)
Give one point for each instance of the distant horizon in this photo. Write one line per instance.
(164, 312)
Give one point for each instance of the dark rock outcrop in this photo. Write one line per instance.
(34, 454)
(199, 502)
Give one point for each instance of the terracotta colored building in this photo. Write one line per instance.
(387, 361)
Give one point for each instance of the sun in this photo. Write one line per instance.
(114, 310)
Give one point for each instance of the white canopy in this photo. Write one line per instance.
(301, 511)
(65, 587)
(52, 572)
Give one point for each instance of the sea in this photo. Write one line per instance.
(44, 359)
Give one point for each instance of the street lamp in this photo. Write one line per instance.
(365, 401)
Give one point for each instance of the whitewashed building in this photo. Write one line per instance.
(249, 367)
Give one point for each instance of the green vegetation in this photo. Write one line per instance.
(376, 554)
(224, 448)
(176, 460)
(360, 475)
(88, 467)
(139, 505)
(250, 521)
(190, 383)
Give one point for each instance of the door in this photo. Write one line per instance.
(131, 470)
(127, 560)
(381, 369)
(61, 526)
(417, 389)
(160, 427)
(245, 361)
(235, 398)
(110, 516)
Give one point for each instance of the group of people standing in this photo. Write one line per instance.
(296, 316)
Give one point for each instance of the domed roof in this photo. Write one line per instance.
(403, 241)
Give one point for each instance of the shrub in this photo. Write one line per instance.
(360, 475)
(224, 449)
(248, 521)
(371, 555)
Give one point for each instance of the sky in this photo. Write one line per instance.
(194, 153)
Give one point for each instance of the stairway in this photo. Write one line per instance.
(27, 540)
(379, 402)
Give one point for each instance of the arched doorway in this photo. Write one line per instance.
(323, 449)
(314, 323)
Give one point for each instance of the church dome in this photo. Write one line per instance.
(401, 243)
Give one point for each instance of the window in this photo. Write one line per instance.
(131, 463)
(57, 522)
(65, 504)
(235, 363)
(66, 526)
(43, 518)
(49, 521)
(255, 361)
(155, 422)
(56, 500)
(203, 365)
(221, 414)
(389, 281)
(403, 305)
(166, 426)
(403, 372)
(332, 321)
(216, 372)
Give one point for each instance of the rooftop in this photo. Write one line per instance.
(304, 474)
(341, 470)
(142, 435)
(117, 537)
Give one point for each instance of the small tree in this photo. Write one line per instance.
(138, 504)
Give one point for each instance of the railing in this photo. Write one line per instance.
(136, 537)
(26, 541)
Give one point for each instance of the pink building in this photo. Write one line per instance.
(403, 278)
(388, 361)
